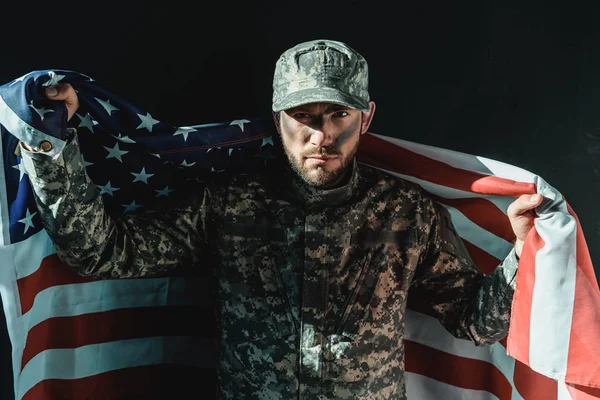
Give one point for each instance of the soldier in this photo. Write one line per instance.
(313, 261)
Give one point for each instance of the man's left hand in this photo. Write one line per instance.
(521, 213)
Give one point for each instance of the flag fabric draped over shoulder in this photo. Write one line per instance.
(74, 337)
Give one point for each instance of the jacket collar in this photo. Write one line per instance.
(314, 197)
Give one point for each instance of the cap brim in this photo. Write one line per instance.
(320, 95)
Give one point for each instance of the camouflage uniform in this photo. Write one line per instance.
(312, 284)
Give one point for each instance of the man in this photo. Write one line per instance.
(313, 261)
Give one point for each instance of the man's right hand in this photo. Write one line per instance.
(61, 92)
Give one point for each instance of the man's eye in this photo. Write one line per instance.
(340, 114)
(301, 115)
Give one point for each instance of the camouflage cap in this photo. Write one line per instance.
(321, 71)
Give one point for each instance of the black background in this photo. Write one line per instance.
(509, 80)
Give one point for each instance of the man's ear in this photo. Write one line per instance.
(276, 121)
(367, 117)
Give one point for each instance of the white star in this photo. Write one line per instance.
(142, 176)
(124, 139)
(209, 150)
(240, 123)
(186, 164)
(131, 207)
(107, 188)
(164, 192)
(21, 167)
(40, 111)
(54, 79)
(115, 152)
(147, 122)
(184, 130)
(27, 220)
(267, 140)
(107, 106)
(86, 122)
(86, 163)
(20, 79)
(155, 155)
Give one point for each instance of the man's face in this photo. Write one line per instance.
(321, 140)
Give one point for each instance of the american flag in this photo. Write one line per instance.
(81, 338)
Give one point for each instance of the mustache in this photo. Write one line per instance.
(322, 151)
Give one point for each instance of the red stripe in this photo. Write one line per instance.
(487, 216)
(578, 392)
(518, 343)
(457, 371)
(484, 260)
(121, 324)
(583, 365)
(532, 385)
(483, 213)
(51, 272)
(147, 382)
(381, 153)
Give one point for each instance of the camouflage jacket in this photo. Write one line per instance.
(312, 284)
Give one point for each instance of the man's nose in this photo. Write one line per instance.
(320, 137)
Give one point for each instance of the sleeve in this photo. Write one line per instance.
(469, 304)
(93, 242)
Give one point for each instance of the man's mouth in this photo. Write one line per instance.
(319, 159)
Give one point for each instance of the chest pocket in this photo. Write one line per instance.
(357, 304)
(253, 302)
(372, 311)
(255, 323)
(368, 337)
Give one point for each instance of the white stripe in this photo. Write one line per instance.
(480, 237)
(466, 161)
(563, 392)
(441, 190)
(447, 192)
(20, 259)
(8, 286)
(12, 309)
(98, 358)
(29, 253)
(419, 387)
(554, 289)
(4, 214)
(428, 331)
(104, 295)
(25, 132)
(467, 229)
(484, 239)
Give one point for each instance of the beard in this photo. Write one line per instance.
(316, 175)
